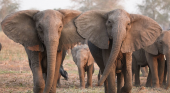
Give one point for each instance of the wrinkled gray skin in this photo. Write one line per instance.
(85, 63)
(156, 51)
(0, 46)
(127, 33)
(139, 60)
(43, 33)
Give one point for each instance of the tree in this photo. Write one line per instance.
(159, 10)
(7, 7)
(84, 5)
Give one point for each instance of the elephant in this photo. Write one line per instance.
(112, 34)
(43, 33)
(158, 50)
(0, 46)
(85, 63)
(139, 59)
(144, 71)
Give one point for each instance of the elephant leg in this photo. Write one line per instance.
(149, 79)
(120, 82)
(153, 64)
(161, 66)
(144, 71)
(137, 76)
(111, 81)
(97, 55)
(111, 77)
(45, 76)
(35, 59)
(81, 76)
(89, 75)
(127, 71)
(165, 73)
(105, 82)
(57, 67)
(58, 81)
(168, 70)
(99, 75)
(136, 70)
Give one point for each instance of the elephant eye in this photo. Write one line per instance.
(60, 26)
(109, 21)
(128, 23)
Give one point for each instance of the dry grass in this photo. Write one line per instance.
(16, 76)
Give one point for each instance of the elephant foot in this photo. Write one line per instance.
(38, 90)
(156, 85)
(82, 87)
(137, 85)
(88, 85)
(126, 89)
(58, 85)
(148, 84)
(167, 87)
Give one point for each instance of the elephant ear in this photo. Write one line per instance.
(69, 36)
(91, 25)
(20, 27)
(152, 49)
(143, 32)
(74, 53)
(164, 42)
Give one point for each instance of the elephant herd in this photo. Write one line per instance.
(112, 36)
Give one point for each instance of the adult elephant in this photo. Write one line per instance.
(117, 33)
(139, 59)
(46, 31)
(157, 50)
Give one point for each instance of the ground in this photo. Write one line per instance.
(16, 76)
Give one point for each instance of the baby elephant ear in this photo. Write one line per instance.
(92, 26)
(20, 27)
(143, 32)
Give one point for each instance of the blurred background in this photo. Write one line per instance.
(159, 10)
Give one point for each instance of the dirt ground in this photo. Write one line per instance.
(16, 76)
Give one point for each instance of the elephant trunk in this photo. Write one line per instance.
(51, 46)
(116, 45)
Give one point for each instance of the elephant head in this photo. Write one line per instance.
(39, 30)
(129, 32)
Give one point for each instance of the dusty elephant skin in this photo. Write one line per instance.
(85, 63)
(139, 59)
(126, 32)
(160, 48)
(43, 32)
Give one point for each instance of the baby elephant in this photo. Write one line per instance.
(85, 63)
